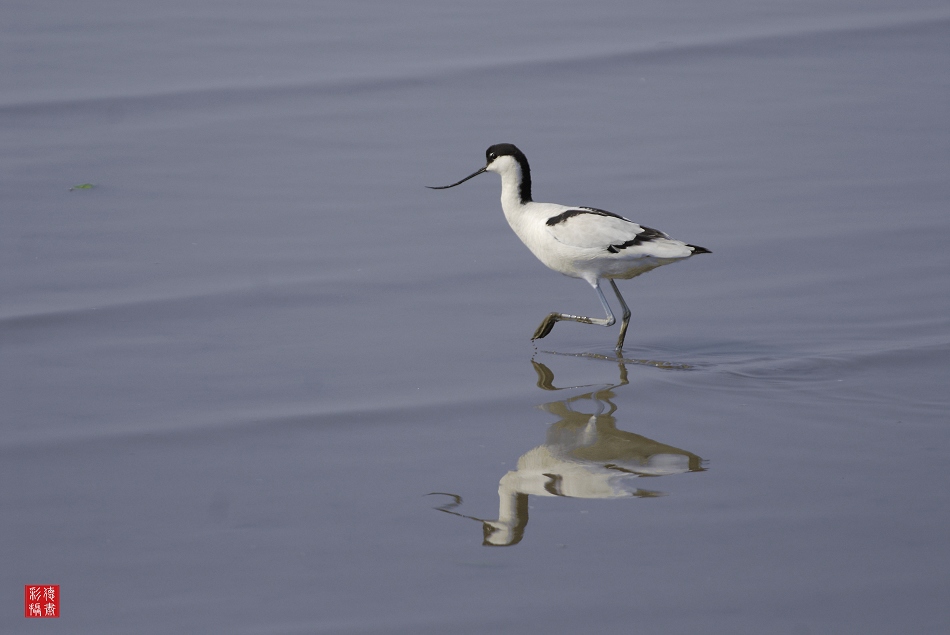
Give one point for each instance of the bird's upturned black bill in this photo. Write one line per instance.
(470, 176)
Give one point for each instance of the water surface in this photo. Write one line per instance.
(234, 371)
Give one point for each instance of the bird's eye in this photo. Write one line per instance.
(492, 156)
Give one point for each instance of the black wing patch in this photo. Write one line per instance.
(645, 236)
(563, 216)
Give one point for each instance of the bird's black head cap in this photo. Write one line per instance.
(511, 150)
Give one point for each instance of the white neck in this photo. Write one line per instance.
(511, 203)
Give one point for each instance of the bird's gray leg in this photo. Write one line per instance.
(625, 321)
(548, 323)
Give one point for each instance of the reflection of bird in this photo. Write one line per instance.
(583, 456)
(581, 242)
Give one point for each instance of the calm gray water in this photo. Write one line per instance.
(244, 377)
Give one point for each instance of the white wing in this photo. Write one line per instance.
(590, 228)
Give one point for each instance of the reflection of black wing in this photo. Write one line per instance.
(629, 452)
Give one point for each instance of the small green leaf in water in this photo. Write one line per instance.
(84, 186)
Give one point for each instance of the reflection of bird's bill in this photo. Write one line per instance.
(508, 530)
(448, 507)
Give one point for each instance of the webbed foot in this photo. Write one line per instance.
(546, 326)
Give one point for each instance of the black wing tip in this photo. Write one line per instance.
(699, 250)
